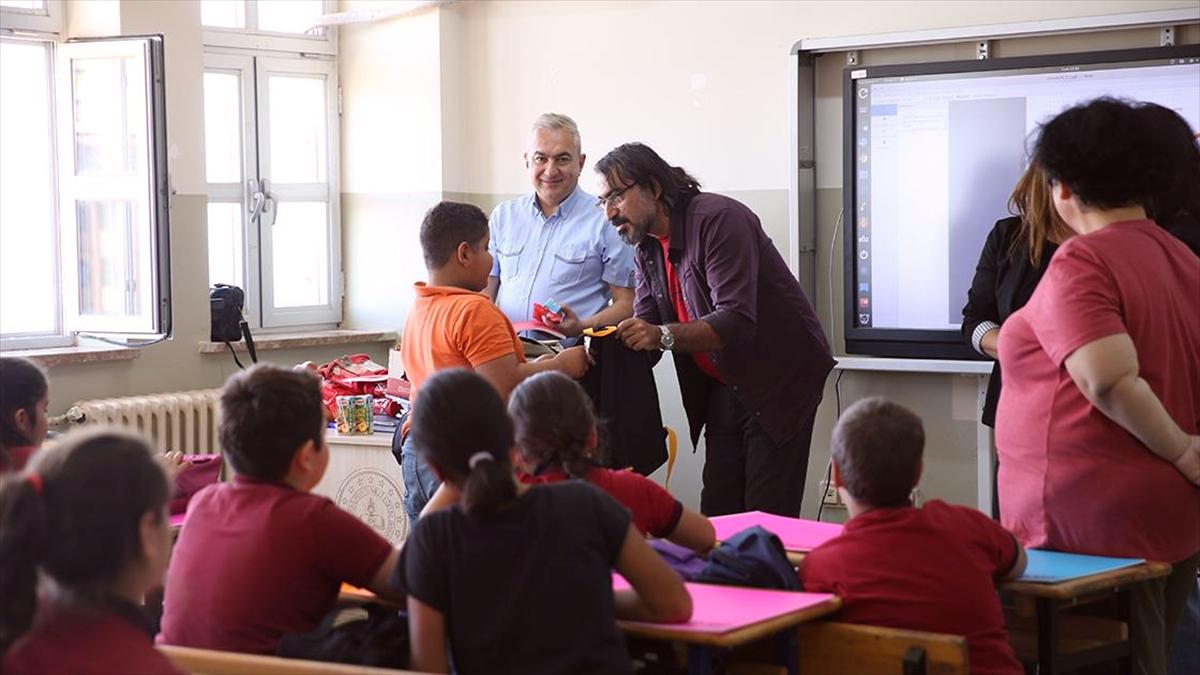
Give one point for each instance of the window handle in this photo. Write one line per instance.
(269, 203)
(256, 199)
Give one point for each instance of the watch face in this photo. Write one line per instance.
(667, 340)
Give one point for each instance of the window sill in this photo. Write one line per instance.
(323, 338)
(73, 356)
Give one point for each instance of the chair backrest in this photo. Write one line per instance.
(212, 662)
(835, 648)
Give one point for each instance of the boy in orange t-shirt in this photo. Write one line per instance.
(453, 325)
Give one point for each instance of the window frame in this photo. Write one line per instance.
(157, 316)
(59, 336)
(253, 39)
(49, 19)
(254, 69)
(154, 271)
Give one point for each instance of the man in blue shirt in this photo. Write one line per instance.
(555, 244)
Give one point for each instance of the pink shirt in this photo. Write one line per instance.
(1071, 479)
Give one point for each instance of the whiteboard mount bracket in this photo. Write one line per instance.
(852, 57)
(983, 50)
(1166, 36)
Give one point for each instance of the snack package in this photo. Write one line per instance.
(550, 313)
(354, 415)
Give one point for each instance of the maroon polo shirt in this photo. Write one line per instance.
(932, 569)
(256, 561)
(114, 638)
(654, 511)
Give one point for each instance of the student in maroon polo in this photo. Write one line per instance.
(90, 516)
(261, 557)
(557, 439)
(932, 568)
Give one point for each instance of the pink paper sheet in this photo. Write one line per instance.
(796, 534)
(723, 609)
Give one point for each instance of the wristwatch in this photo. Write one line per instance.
(667, 341)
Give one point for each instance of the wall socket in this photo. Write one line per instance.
(830, 496)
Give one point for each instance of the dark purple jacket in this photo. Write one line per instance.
(776, 357)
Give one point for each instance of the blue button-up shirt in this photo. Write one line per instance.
(571, 257)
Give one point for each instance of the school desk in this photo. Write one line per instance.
(1040, 632)
(725, 617)
(364, 479)
(798, 535)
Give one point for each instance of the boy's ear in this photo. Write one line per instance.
(835, 475)
(305, 457)
(463, 253)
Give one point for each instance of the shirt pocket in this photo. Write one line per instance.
(508, 255)
(569, 264)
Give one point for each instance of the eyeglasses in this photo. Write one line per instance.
(614, 198)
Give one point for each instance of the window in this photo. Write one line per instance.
(83, 221)
(271, 153)
(277, 25)
(41, 16)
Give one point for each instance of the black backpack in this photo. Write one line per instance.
(225, 304)
(753, 557)
(369, 634)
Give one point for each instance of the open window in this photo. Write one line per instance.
(87, 248)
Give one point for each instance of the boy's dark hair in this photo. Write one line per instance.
(267, 413)
(1111, 153)
(22, 385)
(554, 420)
(78, 520)
(447, 225)
(638, 164)
(877, 445)
(459, 415)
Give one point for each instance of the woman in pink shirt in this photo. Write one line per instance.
(1097, 425)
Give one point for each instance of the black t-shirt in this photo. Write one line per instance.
(528, 589)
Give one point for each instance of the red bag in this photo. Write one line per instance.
(350, 375)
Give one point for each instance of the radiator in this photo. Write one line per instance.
(185, 420)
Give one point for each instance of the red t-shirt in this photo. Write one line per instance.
(1071, 479)
(931, 569)
(703, 360)
(655, 512)
(87, 641)
(256, 561)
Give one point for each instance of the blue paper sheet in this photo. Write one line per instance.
(1051, 567)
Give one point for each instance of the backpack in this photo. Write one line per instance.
(368, 634)
(227, 325)
(753, 557)
(686, 563)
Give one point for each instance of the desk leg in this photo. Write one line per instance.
(1047, 631)
(1125, 613)
(789, 658)
(702, 659)
(984, 450)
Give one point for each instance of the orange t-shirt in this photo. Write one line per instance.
(453, 328)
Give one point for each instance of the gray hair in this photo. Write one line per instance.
(556, 122)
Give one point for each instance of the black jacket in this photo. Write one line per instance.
(621, 386)
(1002, 285)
